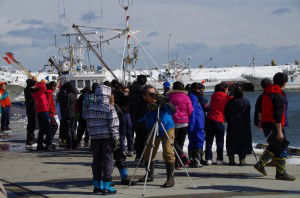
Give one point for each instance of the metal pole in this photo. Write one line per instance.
(95, 51)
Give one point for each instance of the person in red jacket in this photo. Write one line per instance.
(215, 123)
(4, 107)
(273, 117)
(51, 87)
(42, 109)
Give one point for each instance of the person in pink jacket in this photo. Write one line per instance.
(180, 99)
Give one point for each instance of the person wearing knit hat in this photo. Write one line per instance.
(4, 107)
(166, 87)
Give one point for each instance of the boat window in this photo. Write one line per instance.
(87, 83)
(80, 84)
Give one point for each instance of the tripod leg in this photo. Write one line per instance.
(172, 143)
(150, 156)
(142, 155)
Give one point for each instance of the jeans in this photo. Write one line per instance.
(214, 129)
(5, 118)
(126, 132)
(45, 128)
(103, 164)
(70, 125)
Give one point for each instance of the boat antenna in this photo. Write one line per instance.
(169, 48)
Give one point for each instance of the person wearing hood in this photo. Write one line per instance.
(32, 123)
(238, 137)
(166, 87)
(103, 127)
(4, 107)
(51, 87)
(196, 130)
(273, 118)
(69, 115)
(184, 108)
(38, 92)
(215, 123)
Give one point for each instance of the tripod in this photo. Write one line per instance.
(153, 134)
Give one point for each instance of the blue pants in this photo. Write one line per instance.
(196, 139)
(126, 132)
(214, 129)
(5, 118)
(45, 129)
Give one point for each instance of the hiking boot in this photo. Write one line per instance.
(242, 162)
(124, 178)
(281, 173)
(150, 174)
(107, 189)
(170, 167)
(260, 165)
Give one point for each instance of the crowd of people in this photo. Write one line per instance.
(111, 113)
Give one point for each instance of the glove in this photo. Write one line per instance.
(116, 145)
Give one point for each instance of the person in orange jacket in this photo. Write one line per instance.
(4, 107)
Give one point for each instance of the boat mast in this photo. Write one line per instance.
(95, 51)
(125, 4)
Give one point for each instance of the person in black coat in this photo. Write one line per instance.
(68, 114)
(32, 124)
(239, 138)
(137, 110)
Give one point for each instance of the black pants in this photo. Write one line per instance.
(45, 129)
(103, 164)
(31, 126)
(126, 132)
(62, 129)
(214, 129)
(180, 135)
(5, 119)
(70, 125)
(140, 139)
(81, 129)
(274, 146)
(54, 126)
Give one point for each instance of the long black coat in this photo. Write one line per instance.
(237, 115)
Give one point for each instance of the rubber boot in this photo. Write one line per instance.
(98, 186)
(107, 189)
(281, 173)
(191, 158)
(150, 173)
(170, 167)
(124, 177)
(260, 165)
(231, 160)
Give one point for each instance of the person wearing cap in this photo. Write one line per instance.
(166, 86)
(4, 107)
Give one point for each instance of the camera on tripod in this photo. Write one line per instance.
(160, 99)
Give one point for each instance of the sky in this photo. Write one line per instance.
(231, 32)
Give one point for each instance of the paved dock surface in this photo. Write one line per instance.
(68, 174)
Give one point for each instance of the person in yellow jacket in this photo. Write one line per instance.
(4, 107)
